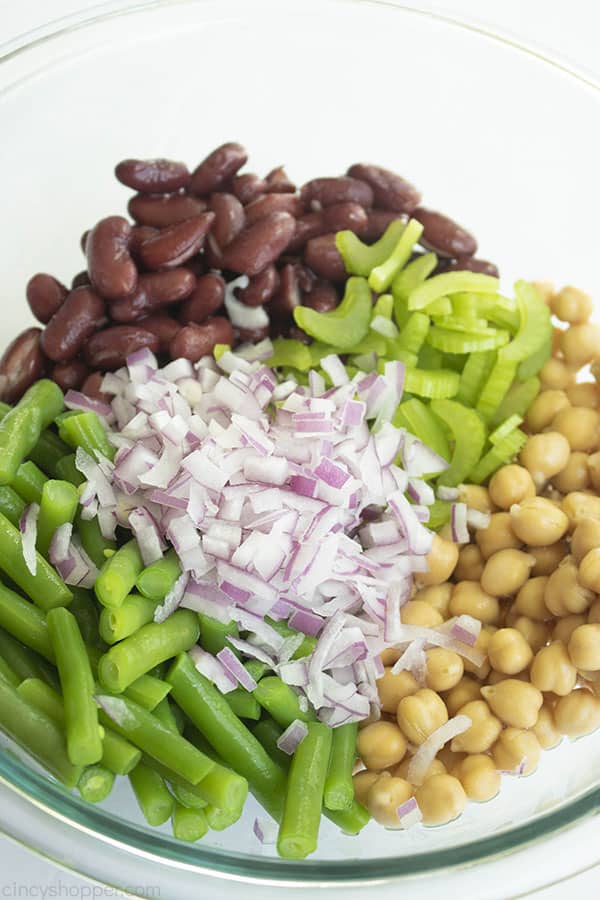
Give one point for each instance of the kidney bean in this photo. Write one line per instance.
(162, 210)
(83, 240)
(218, 167)
(139, 234)
(308, 226)
(80, 280)
(389, 190)
(259, 244)
(378, 221)
(152, 176)
(326, 191)
(442, 235)
(212, 253)
(270, 203)
(288, 295)
(164, 327)
(154, 291)
(252, 335)
(297, 334)
(248, 187)
(350, 216)
(471, 264)
(81, 314)
(177, 243)
(322, 256)
(197, 265)
(110, 348)
(21, 364)
(111, 268)
(69, 376)
(278, 182)
(306, 277)
(206, 299)
(45, 295)
(322, 298)
(229, 217)
(261, 288)
(91, 387)
(195, 341)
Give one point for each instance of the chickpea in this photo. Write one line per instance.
(538, 521)
(476, 497)
(506, 571)
(579, 344)
(589, 570)
(445, 533)
(565, 627)
(420, 714)
(470, 564)
(584, 648)
(444, 669)
(441, 562)
(572, 305)
(537, 634)
(496, 677)
(594, 613)
(516, 750)
(362, 782)
(392, 688)
(586, 537)
(577, 713)
(543, 409)
(545, 455)
(564, 593)
(593, 467)
(437, 767)
(468, 598)
(556, 338)
(483, 731)
(389, 656)
(548, 558)
(511, 614)
(479, 777)
(380, 745)
(578, 505)
(556, 375)
(437, 596)
(482, 643)
(575, 476)
(384, 798)
(516, 703)
(579, 425)
(530, 599)
(466, 690)
(497, 536)
(417, 612)
(546, 291)
(584, 394)
(545, 729)
(508, 651)
(449, 758)
(552, 670)
(511, 484)
(441, 799)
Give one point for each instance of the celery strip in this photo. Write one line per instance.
(344, 326)
(455, 323)
(440, 307)
(360, 258)
(474, 375)
(503, 430)
(413, 275)
(535, 325)
(533, 364)
(430, 358)
(502, 453)
(384, 306)
(496, 387)
(439, 514)
(518, 400)
(469, 434)
(292, 353)
(451, 283)
(382, 275)
(413, 334)
(417, 417)
(436, 384)
(465, 342)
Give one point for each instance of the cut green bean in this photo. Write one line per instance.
(25, 622)
(43, 697)
(58, 505)
(222, 788)
(350, 821)
(119, 622)
(243, 704)
(45, 588)
(208, 710)
(151, 793)
(220, 819)
(66, 470)
(299, 828)
(118, 575)
(280, 701)
(148, 691)
(21, 427)
(48, 451)
(268, 732)
(164, 712)
(95, 784)
(152, 644)
(85, 430)
(84, 609)
(214, 634)
(339, 790)
(96, 546)
(29, 482)
(8, 674)
(23, 661)
(188, 824)
(187, 797)
(77, 683)
(306, 647)
(148, 733)
(37, 733)
(11, 504)
(157, 579)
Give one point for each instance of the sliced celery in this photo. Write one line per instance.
(430, 358)
(474, 375)
(417, 417)
(465, 342)
(413, 275)
(371, 343)
(455, 323)
(469, 435)
(344, 326)
(360, 258)
(518, 400)
(382, 275)
(535, 325)
(435, 384)
(496, 387)
(384, 306)
(451, 283)
(533, 364)
(440, 307)
(504, 452)
(413, 334)
(503, 430)
(290, 353)
(439, 514)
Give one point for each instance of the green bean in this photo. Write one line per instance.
(21, 427)
(299, 828)
(268, 732)
(306, 647)
(37, 734)
(188, 824)
(58, 505)
(46, 588)
(77, 683)
(214, 634)
(23, 661)
(25, 622)
(118, 575)
(339, 790)
(209, 711)
(93, 543)
(350, 821)
(66, 470)
(95, 784)
(220, 819)
(154, 800)
(191, 792)
(85, 430)
(256, 669)
(222, 788)
(148, 733)
(148, 691)
(157, 579)
(11, 505)
(48, 451)
(29, 482)
(243, 704)
(43, 697)
(186, 797)
(84, 609)
(280, 701)
(164, 712)
(8, 674)
(119, 622)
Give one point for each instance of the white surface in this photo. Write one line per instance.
(566, 30)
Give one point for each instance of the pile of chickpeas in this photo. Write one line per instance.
(532, 578)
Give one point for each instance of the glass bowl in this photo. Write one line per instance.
(495, 135)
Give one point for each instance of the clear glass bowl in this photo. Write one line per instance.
(497, 136)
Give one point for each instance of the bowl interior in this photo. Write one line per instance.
(498, 138)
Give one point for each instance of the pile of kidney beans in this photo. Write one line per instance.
(160, 282)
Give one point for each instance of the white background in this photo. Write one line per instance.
(569, 30)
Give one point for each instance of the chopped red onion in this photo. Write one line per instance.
(293, 735)
(430, 747)
(265, 831)
(173, 599)
(77, 400)
(466, 629)
(212, 669)
(409, 813)
(458, 523)
(229, 660)
(447, 493)
(477, 519)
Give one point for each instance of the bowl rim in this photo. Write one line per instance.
(51, 798)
